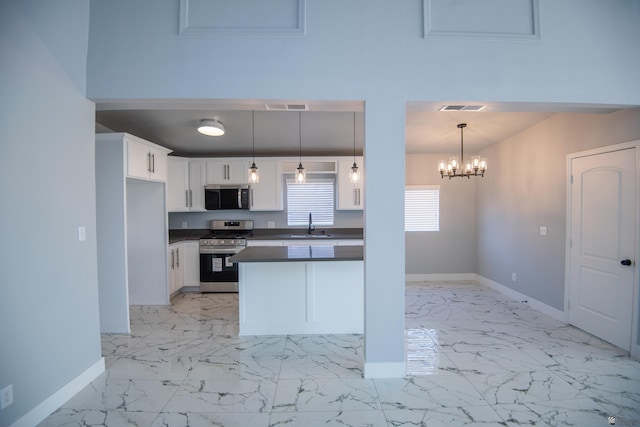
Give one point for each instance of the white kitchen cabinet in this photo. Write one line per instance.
(266, 195)
(350, 196)
(177, 184)
(145, 160)
(197, 178)
(185, 188)
(191, 262)
(227, 171)
(176, 268)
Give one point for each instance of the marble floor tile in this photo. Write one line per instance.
(582, 412)
(519, 387)
(96, 417)
(322, 356)
(239, 396)
(474, 357)
(151, 368)
(336, 419)
(123, 395)
(202, 419)
(427, 392)
(325, 395)
(483, 416)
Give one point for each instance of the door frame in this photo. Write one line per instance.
(635, 327)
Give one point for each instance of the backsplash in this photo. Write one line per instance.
(343, 219)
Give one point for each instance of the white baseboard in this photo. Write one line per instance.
(439, 277)
(559, 315)
(385, 370)
(57, 399)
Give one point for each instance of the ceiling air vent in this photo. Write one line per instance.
(462, 108)
(287, 107)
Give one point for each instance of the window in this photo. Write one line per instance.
(422, 208)
(315, 197)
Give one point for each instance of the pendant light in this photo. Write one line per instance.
(254, 177)
(301, 175)
(355, 175)
(474, 167)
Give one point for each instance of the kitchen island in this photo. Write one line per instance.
(301, 290)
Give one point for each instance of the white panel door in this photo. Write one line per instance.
(603, 217)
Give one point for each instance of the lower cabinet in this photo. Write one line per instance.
(176, 268)
(184, 265)
(191, 258)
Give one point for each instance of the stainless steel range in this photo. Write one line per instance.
(227, 238)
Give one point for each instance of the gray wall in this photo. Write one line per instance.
(374, 51)
(526, 188)
(453, 248)
(48, 294)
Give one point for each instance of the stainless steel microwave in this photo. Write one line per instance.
(218, 197)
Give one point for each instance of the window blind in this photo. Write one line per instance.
(422, 208)
(315, 197)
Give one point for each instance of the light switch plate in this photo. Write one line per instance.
(543, 230)
(271, 224)
(82, 233)
(6, 396)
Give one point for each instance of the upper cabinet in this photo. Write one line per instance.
(266, 195)
(146, 160)
(350, 196)
(185, 184)
(227, 171)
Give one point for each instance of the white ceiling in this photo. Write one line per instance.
(327, 126)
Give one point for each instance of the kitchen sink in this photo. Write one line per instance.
(309, 236)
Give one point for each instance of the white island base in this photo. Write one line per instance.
(314, 297)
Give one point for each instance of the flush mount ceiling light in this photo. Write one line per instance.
(211, 127)
(476, 166)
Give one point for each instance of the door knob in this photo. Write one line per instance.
(625, 262)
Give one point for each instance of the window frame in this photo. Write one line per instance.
(430, 226)
(329, 180)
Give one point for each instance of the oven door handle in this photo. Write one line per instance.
(208, 251)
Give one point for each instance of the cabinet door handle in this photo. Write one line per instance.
(251, 197)
(186, 198)
(173, 261)
(148, 162)
(190, 198)
(358, 197)
(178, 257)
(153, 163)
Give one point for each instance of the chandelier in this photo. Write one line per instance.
(476, 166)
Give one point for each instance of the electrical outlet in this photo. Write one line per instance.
(6, 396)
(513, 277)
(82, 233)
(271, 224)
(543, 230)
(184, 224)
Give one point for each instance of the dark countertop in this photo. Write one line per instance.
(285, 233)
(179, 235)
(299, 253)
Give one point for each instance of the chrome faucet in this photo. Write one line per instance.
(311, 226)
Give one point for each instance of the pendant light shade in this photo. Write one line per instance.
(301, 174)
(211, 127)
(355, 174)
(254, 176)
(454, 167)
